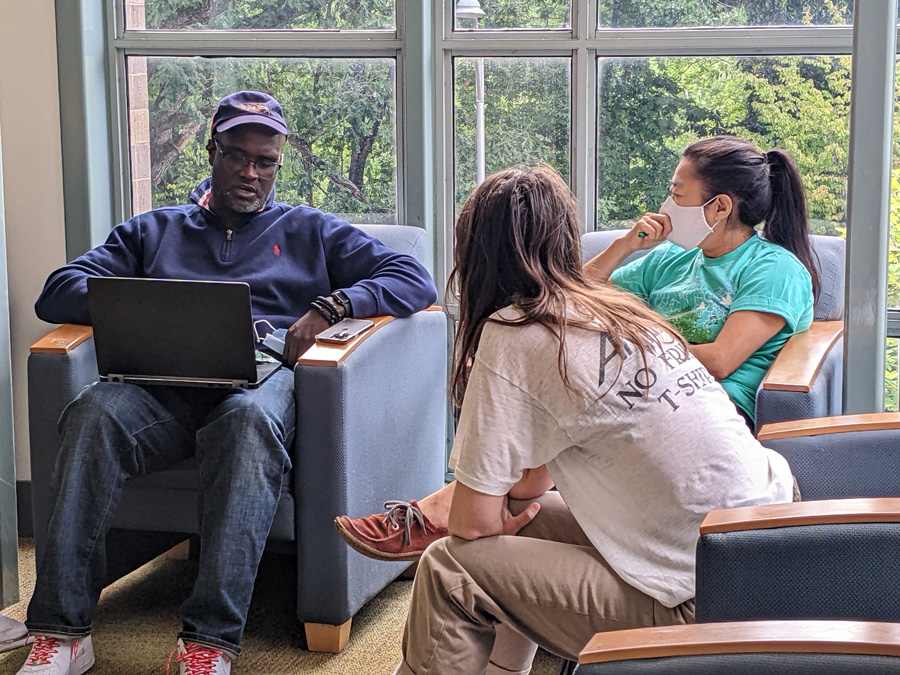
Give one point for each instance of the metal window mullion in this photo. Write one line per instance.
(638, 48)
(250, 50)
(583, 141)
(83, 63)
(446, 130)
(658, 41)
(415, 136)
(119, 123)
(868, 204)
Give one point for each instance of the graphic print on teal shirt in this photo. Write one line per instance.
(699, 323)
(696, 294)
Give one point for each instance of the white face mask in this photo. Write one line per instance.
(689, 226)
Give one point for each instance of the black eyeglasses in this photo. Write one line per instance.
(236, 161)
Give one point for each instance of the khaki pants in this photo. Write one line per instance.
(548, 585)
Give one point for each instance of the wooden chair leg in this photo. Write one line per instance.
(323, 637)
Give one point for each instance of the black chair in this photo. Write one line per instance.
(833, 556)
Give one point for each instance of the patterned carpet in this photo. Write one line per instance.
(136, 621)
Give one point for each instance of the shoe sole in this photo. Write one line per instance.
(373, 553)
(79, 668)
(15, 643)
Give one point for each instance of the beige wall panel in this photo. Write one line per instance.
(32, 181)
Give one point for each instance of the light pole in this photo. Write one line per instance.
(471, 9)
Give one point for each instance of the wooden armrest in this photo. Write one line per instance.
(797, 364)
(818, 512)
(818, 426)
(807, 636)
(331, 355)
(62, 340)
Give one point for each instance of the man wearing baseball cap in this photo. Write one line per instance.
(306, 269)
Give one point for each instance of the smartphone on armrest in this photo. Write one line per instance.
(344, 331)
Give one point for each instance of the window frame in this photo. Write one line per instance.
(585, 43)
(376, 43)
(93, 45)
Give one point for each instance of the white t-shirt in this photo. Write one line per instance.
(639, 458)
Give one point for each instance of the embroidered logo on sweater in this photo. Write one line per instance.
(277, 250)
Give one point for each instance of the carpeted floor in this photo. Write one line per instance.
(135, 625)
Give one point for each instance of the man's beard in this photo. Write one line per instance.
(239, 205)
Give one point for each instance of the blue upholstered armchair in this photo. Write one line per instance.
(382, 400)
(832, 555)
(814, 568)
(805, 379)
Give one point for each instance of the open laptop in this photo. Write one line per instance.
(163, 331)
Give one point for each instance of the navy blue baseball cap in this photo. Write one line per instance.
(248, 107)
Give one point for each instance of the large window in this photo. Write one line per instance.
(341, 153)
(679, 13)
(340, 101)
(647, 79)
(527, 111)
(399, 106)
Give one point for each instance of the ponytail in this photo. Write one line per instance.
(767, 186)
(786, 220)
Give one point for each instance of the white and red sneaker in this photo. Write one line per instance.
(194, 659)
(53, 655)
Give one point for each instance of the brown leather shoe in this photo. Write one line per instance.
(403, 533)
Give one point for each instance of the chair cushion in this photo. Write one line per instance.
(167, 501)
(403, 238)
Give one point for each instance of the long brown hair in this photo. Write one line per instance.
(518, 241)
(768, 187)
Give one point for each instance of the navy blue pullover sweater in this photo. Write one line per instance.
(288, 256)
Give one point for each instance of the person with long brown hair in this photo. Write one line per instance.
(568, 381)
(734, 296)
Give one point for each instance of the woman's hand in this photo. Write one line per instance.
(649, 231)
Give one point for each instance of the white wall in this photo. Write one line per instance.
(32, 182)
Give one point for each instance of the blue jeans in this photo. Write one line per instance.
(112, 432)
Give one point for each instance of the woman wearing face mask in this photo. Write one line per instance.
(735, 296)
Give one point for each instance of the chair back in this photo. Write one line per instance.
(402, 238)
(830, 252)
(843, 465)
(843, 570)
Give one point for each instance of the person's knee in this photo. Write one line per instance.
(244, 435)
(101, 403)
(269, 409)
(101, 399)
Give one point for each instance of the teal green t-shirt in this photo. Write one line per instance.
(696, 294)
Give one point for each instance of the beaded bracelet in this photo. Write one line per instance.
(328, 306)
(323, 311)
